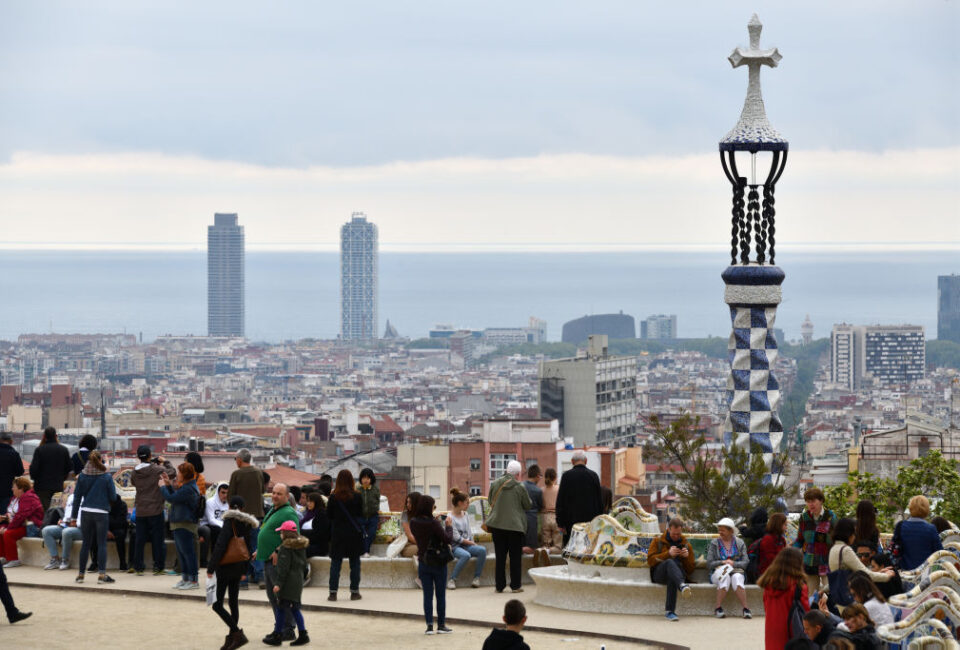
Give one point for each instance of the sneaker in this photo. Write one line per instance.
(159, 572)
(52, 564)
(186, 586)
(365, 555)
(12, 563)
(139, 572)
(451, 585)
(131, 571)
(104, 579)
(686, 591)
(168, 572)
(718, 612)
(79, 578)
(429, 630)
(518, 590)
(355, 595)
(475, 582)
(179, 584)
(443, 629)
(672, 617)
(64, 565)
(746, 613)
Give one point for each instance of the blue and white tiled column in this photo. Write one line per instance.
(753, 394)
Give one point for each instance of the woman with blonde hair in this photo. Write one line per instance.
(915, 539)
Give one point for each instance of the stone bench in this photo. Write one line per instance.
(34, 553)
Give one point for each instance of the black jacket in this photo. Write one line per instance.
(50, 466)
(757, 527)
(865, 639)
(11, 466)
(318, 535)
(118, 522)
(79, 461)
(233, 521)
(504, 640)
(579, 498)
(345, 538)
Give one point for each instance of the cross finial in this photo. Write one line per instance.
(754, 56)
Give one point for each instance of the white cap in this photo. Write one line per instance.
(728, 522)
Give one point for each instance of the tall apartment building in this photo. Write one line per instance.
(948, 308)
(659, 326)
(592, 395)
(225, 282)
(358, 279)
(886, 354)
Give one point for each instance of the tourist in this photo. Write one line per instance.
(464, 546)
(410, 549)
(814, 538)
(941, 524)
(196, 460)
(79, 459)
(210, 525)
(858, 628)
(13, 614)
(894, 585)
(325, 485)
(95, 491)
(184, 504)
(11, 466)
(291, 566)
(916, 538)
(148, 505)
(533, 512)
(866, 593)
(432, 541)
(579, 498)
(671, 561)
(316, 526)
(727, 562)
(247, 481)
(507, 522)
(237, 524)
(268, 541)
(756, 529)
(509, 638)
(49, 467)
(783, 583)
(345, 508)
(773, 541)
(818, 626)
(843, 559)
(866, 529)
(116, 531)
(370, 497)
(24, 518)
(551, 539)
(63, 533)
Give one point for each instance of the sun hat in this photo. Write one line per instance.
(728, 522)
(287, 525)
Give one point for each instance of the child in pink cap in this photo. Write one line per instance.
(291, 565)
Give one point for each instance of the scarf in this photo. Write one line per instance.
(91, 470)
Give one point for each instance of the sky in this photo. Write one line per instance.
(557, 125)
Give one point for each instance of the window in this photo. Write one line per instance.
(475, 491)
(530, 462)
(498, 464)
(435, 491)
(474, 464)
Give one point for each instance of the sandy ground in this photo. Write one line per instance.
(91, 619)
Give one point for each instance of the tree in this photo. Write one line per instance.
(714, 483)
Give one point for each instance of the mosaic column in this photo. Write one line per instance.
(752, 280)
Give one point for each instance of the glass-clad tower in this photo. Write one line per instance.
(358, 279)
(225, 262)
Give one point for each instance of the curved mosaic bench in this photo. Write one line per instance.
(631, 515)
(932, 634)
(946, 578)
(918, 619)
(949, 555)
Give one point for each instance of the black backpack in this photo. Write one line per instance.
(201, 508)
(753, 566)
(795, 615)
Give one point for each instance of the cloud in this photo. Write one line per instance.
(567, 201)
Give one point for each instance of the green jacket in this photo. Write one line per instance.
(269, 539)
(291, 562)
(508, 506)
(371, 500)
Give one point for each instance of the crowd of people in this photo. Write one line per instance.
(828, 587)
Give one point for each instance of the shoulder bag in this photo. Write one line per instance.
(357, 527)
(839, 582)
(795, 615)
(484, 526)
(236, 549)
(438, 552)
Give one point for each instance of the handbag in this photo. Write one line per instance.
(438, 553)
(237, 550)
(357, 527)
(795, 615)
(484, 526)
(839, 582)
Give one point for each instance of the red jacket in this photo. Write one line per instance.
(776, 606)
(767, 549)
(30, 509)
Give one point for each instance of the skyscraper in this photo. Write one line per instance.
(659, 326)
(890, 355)
(358, 279)
(225, 263)
(948, 308)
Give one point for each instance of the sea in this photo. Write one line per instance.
(292, 295)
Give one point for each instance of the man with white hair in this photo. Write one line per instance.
(507, 522)
(579, 498)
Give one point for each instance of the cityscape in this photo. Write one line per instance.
(705, 340)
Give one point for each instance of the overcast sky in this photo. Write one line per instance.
(497, 123)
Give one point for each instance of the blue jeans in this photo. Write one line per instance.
(66, 536)
(150, 529)
(462, 555)
(255, 573)
(184, 540)
(370, 525)
(94, 525)
(434, 578)
(335, 562)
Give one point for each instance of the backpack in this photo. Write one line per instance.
(795, 615)
(438, 552)
(896, 546)
(839, 581)
(753, 566)
(200, 509)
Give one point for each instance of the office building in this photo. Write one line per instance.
(535, 332)
(885, 355)
(948, 308)
(225, 270)
(659, 326)
(593, 396)
(358, 279)
(613, 326)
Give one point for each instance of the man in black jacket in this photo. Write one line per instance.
(49, 467)
(11, 466)
(579, 498)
